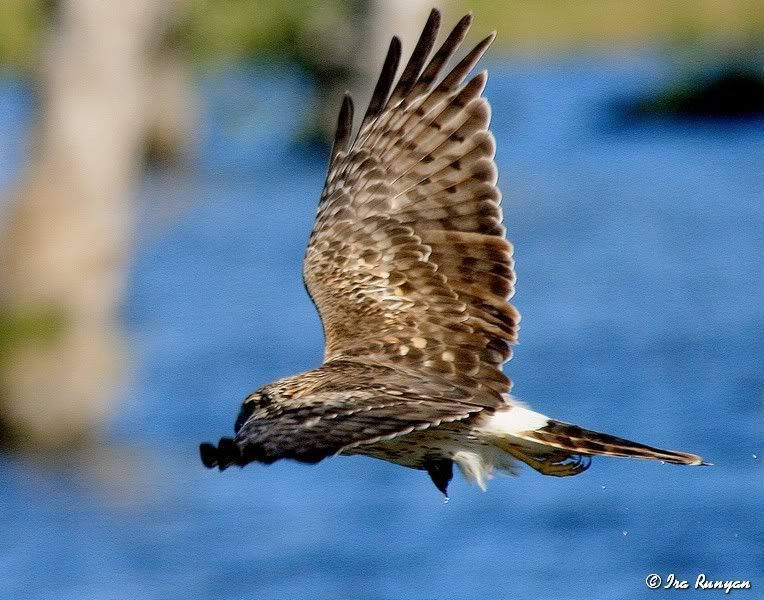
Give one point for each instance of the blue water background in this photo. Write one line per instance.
(639, 259)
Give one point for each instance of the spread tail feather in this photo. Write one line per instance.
(562, 449)
(578, 440)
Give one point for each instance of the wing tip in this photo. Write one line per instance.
(344, 129)
(465, 21)
(486, 42)
(435, 15)
(222, 456)
(209, 455)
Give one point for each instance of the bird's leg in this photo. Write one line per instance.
(557, 464)
(441, 471)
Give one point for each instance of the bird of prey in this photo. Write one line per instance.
(411, 274)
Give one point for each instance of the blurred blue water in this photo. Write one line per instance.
(640, 282)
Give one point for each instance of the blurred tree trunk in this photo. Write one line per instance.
(104, 85)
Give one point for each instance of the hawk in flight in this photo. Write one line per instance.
(411, 274)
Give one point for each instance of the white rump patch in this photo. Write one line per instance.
(478, 464)
(514, 419)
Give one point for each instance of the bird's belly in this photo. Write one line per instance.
(415, 449)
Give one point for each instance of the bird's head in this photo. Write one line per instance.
(257, 400)
(231, 451)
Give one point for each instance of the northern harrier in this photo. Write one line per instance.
(411, 273)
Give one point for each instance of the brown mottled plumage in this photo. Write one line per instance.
(410, 271)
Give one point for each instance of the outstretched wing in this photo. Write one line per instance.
(407, 262)
(336, 408)
(355, 405)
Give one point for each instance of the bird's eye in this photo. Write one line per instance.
(265, 399)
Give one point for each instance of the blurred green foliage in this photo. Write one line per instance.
(241, 29)
(562, 25)
(21, 22)
(39, 325)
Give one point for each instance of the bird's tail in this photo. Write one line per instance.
(577, 440)
(561, 449)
